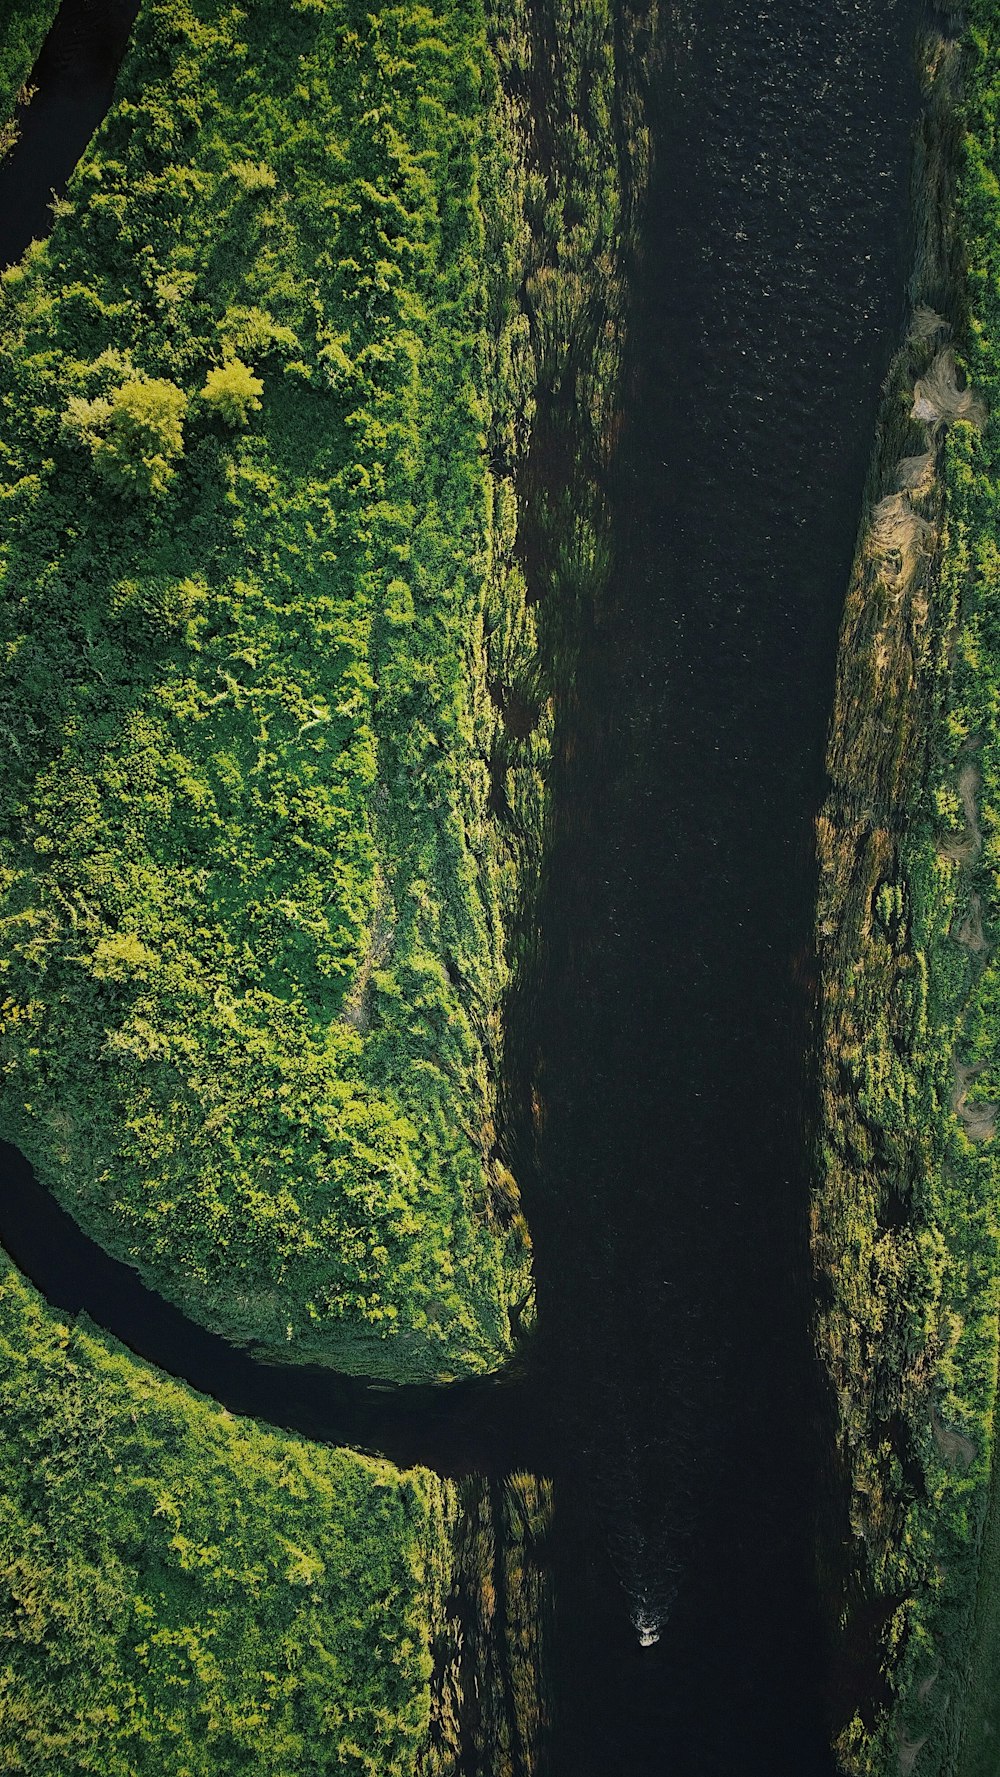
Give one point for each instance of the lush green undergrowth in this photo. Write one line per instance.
(183, 1594)
(908, 1211)
(23, 29)
(274, 733)
(261, 393)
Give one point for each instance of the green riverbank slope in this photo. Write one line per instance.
(185, 1593)
(261, 392)
(271, 792)
(907, 1219)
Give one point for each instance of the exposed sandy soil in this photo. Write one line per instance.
(898, 539)
(969, 931)
(927, 1684)
(965, 847)
(356, 1009)
(978, 1120)
(937, 396)
(909, 1751)
(915, 475)
(957, 1448)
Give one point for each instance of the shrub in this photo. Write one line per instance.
(135, 435)
(233, 392)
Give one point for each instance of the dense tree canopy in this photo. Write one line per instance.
(22, 33)
(256, 860)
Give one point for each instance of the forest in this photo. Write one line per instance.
(316, 369)
(21, 37)
(182, 1592)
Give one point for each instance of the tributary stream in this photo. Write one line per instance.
(672, 1017)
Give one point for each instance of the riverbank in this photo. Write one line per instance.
(669, 1202)
(188, 1592)
(24, 32)
(401, 906)
(184, 1591)
(905, 1219)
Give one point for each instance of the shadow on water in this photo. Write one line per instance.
(683, 1417)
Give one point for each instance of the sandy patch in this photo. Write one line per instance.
(915, 475)
(356, 1009)
(978, 1120)
(969, 931)
(956, 1447)
(937, 398)
(927, 323)
(963, 848)
(898, 538)
(909, 1751)
(926, 1685)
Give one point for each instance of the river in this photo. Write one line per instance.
(673, 1392)
(670, 1207)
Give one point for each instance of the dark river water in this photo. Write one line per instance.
(672, 1390)
(670, 1208)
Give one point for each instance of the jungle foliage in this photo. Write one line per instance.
(261, 395)
(908, 1208)
(184, 1594)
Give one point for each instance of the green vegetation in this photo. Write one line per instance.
(977, 1725)
(261, 396)
(908, 1210)
(23, 30)
(274, 728)
(274, 722)
(183, 1594)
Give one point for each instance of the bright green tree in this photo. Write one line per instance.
(135, 435)
(233, 392)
